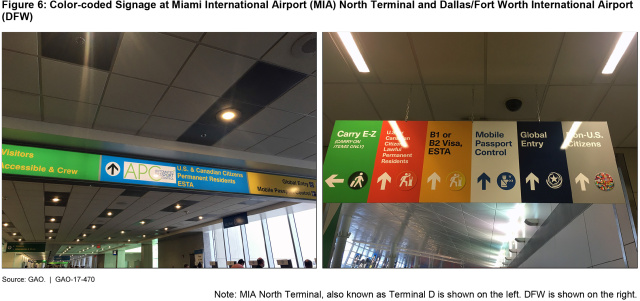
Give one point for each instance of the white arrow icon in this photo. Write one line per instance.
(532, 180)
(433, 178)
(582, 179)
(384, 178)
(332, 180)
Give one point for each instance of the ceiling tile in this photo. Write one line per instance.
(23, 71)
(95, 50)
(282, 54)
(151, 56)
(300, 99)
(212, 71)
(462, 102)
(582, 56)
(571, 103)
(20, 105)
(620, 110)
(192, 36)
(391, 101)
(347, 102)
(632, 140)
(313, 158)
(302, 129)
(57, 187)
(64, 80)
(132, 94)
(521, 58)
(26, 42)
(54, 210)
(450, 58)
(120, 121)
(272, 145)
(69, 112)
(240, 140)
(299, 151)
(390, 56)
(253, 44)
(164, 128)
(183, 105)
(327, 130)
(334, 67)
(269, 121)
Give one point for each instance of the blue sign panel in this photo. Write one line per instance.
(143, 172)
(61, 258)
(544, 176)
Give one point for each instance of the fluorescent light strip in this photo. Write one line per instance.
(570, 134)
(396, 130)
(354, 52)
(621, 47)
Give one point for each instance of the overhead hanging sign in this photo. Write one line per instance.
(26, 247)
(486, 161)
(33, 161)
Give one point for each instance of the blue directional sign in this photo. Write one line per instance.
(143, 172)
(544, 176)
(484, 178)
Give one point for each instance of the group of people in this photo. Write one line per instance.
(260, 264)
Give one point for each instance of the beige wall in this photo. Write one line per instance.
(174, 252)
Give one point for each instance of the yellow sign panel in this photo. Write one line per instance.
(281, 186)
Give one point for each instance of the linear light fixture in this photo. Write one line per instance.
(616, 55)
(398, 133)
(354, 52)
(570, 134)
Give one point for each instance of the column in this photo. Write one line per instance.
(121, 261)
(146, 255)
(342, 234)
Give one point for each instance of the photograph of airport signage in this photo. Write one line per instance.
(480, 150)
(159, 150)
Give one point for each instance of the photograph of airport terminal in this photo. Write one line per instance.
(159, 150)
(490, 150)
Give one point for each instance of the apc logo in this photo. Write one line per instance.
(149, 172)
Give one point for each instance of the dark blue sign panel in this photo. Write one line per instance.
(235, 220)
(544, 176)
(143, 172)
(61, 258)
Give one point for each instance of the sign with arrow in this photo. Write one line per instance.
(485, 161)
(532, 180)
(113, 169)
(485, 179)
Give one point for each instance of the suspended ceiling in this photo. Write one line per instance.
(158, 94)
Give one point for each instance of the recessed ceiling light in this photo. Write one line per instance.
(616, 55)
(6, 224)
(53, 219)
(93, 226)
(109, 213)
(55, 199)
(200, 217)
(142, 222)
(350, 44)
(144, 235)
(14, 234)
(129, 240)
(50, 237)
(228, 115)
(122, 232)
(109, 237)
(19, 239)
(50, 230)
(78, 239)
(84, 234)
(165, 229)
(178, 206)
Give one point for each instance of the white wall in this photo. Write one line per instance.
(590, 240)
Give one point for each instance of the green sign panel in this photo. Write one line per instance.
(40, 162)
(352, 144)
(26, 247)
